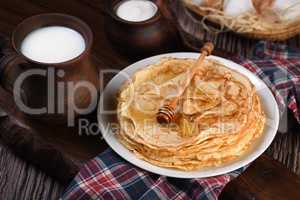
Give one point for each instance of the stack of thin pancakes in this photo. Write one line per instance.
(218, 116)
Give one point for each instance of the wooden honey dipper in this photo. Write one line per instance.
(167, 112)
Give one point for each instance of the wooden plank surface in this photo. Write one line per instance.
(264, 179)
(286, 150)
(21, 180)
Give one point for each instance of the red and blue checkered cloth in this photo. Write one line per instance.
(108, 176)
(279, 67)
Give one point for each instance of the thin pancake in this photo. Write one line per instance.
(220, 115)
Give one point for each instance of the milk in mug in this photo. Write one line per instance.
(53, 44)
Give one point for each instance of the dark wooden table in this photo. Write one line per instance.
(59, 151)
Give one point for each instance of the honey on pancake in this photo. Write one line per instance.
(220, 115)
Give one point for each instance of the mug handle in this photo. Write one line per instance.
(11, 66)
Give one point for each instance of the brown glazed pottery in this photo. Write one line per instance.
(139, 39)
(34, 92)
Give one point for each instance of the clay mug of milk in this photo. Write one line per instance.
(48, 53)
(139, 28)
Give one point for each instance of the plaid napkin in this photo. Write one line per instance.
(108, 176)
(279, 67)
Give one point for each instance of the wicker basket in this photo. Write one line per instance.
(278, 32)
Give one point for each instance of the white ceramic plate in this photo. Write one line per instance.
(107, 115)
